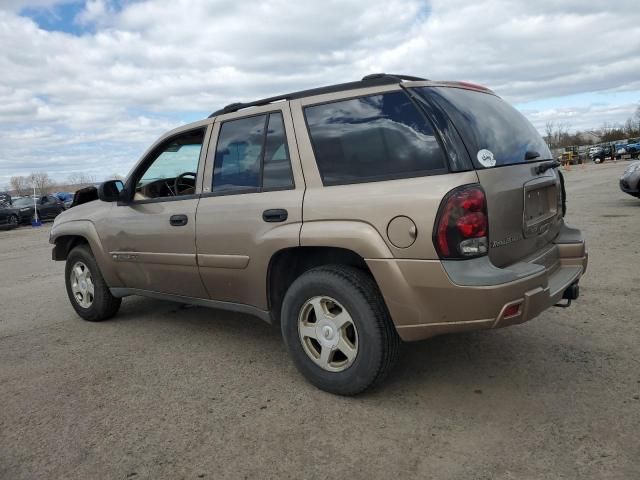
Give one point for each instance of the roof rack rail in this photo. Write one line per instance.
(375, 79)
(398, 76)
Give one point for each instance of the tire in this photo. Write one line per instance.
(597, 160)
(99, 306)
(376, 340)
(13, 221)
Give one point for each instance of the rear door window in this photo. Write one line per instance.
(252, 155)
(495, 133)
(238, 152)
(372, 138)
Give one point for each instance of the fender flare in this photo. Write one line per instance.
(359, 237)
(86, 229)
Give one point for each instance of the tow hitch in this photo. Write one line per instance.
(571, 293)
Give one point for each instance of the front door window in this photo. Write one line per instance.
(172, 168)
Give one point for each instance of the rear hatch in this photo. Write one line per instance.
(524, 206)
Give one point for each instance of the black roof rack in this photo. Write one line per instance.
(373, 80)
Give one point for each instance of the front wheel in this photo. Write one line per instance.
(338, 330)
(87, 290)
(13, 221)
(597, 160)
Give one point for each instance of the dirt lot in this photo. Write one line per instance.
(164, 391)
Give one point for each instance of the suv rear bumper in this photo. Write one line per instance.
(427, 298)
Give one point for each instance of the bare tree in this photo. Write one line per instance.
(20, 185)
(42, 181)
(629, 127)
(548, 129)
(116, 176)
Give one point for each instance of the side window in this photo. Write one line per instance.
(238, 152)
(252, 155)
(367, 139)
(277, 166)
(173, 168)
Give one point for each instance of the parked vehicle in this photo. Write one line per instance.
(630, 180)
(49, 207)
(9, 215)
(600, 153)
(420, 217)
(65, 197)
(631, 148)
(570, 155)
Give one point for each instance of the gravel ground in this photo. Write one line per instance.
(165, 391)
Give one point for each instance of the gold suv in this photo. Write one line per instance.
(354, 216)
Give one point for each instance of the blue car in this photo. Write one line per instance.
(65, 197)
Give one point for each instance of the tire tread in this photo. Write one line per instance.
(105, 305)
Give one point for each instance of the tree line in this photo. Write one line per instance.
(23, 184)
(557, 134)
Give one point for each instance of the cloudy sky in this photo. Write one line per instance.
(86, 86)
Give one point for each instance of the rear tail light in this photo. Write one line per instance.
(462, 226)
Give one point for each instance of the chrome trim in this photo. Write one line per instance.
(158, 258)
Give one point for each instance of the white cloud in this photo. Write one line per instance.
(83, 101)
(95, 11)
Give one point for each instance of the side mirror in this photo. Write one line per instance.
(110, 190)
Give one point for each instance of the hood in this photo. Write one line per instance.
(86, 211)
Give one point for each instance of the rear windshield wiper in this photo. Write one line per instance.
(543, 167)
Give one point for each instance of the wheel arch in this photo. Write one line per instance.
(287, 264)
(68, 235)
(64, 244)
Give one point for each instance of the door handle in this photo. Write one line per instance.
(178, 220)
(275, 215)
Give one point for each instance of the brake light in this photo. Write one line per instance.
(462, 226)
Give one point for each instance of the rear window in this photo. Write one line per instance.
(495, 133)
(373, 138)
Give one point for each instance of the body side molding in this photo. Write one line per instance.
(202, 302)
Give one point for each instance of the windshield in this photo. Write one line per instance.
(494, 132)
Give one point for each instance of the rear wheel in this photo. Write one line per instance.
(338, 330)
(87, 290)
(597, 160)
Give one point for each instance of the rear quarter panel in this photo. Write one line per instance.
(377, 203)
(373, 203)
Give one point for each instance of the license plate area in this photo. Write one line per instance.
(540, 206)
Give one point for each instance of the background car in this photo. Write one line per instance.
(630, 180)
(9, 216)
(65, 197)
(49, 207)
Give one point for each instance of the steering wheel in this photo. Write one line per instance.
(177, 184)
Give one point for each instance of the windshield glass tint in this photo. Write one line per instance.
(489, 124)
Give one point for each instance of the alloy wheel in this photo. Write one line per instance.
(328, 333)
(82, 284)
